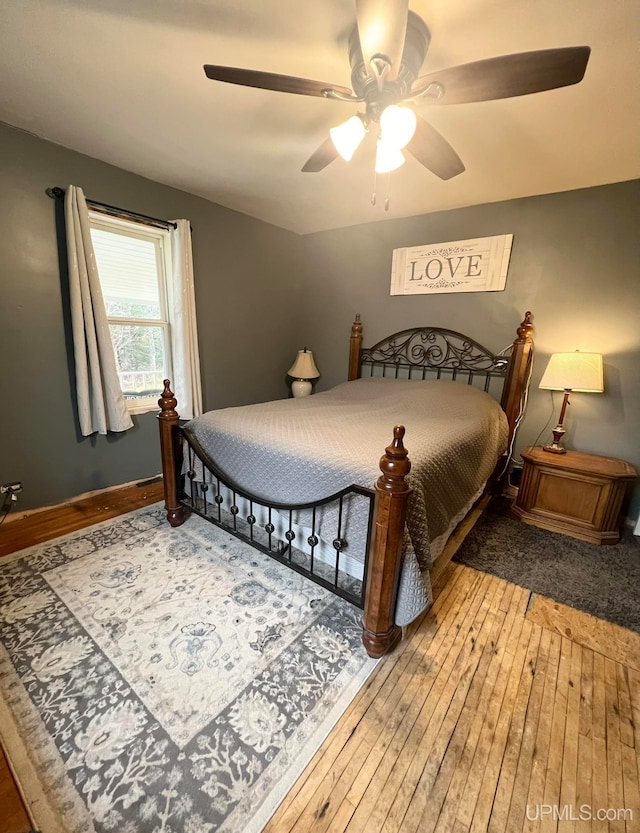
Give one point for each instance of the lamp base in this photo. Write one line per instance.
(555, 447)
(301, 387)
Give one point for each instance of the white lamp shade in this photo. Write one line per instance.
(581, 372)
(388, 157)
(304, 366)
(347, 136)
(397, 125)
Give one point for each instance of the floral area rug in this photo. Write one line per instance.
(166, 680)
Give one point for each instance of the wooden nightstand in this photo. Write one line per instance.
(575, 493)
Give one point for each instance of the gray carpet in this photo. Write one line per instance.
(601, 580)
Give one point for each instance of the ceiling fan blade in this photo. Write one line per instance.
(505, 76)
(272, 81)
(382, 27)
(433, 151)
(322, 157)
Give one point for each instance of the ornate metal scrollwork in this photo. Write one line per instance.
(435, 348)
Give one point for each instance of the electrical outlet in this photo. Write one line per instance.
(11, 488)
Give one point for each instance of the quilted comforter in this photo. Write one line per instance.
(301, 450)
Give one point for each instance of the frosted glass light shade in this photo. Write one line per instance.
(347, 136)
(388, 157)
(397, 125)
(580, 372)
(304, 366)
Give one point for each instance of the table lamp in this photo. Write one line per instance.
(571, 372)
(303, 369)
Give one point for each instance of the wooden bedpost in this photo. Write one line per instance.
(513, 391)
(355, 346)
(380, 633)
(171, 455)
(516, 375)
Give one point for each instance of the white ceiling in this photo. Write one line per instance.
(122, 81)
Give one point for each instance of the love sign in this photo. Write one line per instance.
(478, 265)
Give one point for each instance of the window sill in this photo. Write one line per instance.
(143, 407)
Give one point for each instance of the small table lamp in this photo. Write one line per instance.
(579, 372)
(303, 369)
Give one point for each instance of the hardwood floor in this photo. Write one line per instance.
(18, 533)
(498, 707)
(483, 715)
(13, 816)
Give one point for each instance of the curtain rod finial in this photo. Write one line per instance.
(55, 193)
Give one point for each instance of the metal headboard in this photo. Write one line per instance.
(433, 352)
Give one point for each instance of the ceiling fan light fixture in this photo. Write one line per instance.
(388, 157)
(347, 136)
(397, 125)
(387, 47)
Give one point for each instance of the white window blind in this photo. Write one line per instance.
(128, 271)
(133, 263)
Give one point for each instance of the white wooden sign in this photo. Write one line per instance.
(478, 265)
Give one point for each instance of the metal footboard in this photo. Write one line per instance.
(294, 534)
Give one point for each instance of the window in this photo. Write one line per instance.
(134, 262)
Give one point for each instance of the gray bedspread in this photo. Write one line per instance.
(301, 450)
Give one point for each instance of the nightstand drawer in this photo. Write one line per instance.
(574, 493)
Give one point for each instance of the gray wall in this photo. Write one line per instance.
(575, 263)
(247, 284)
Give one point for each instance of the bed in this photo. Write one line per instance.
(296, 478)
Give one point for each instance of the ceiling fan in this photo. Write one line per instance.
(387, 48)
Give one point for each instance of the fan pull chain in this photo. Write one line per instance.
(387, 201)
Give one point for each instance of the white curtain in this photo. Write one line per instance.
(101, 405)
(187, 386)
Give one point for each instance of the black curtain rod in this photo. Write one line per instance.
(58, 193)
